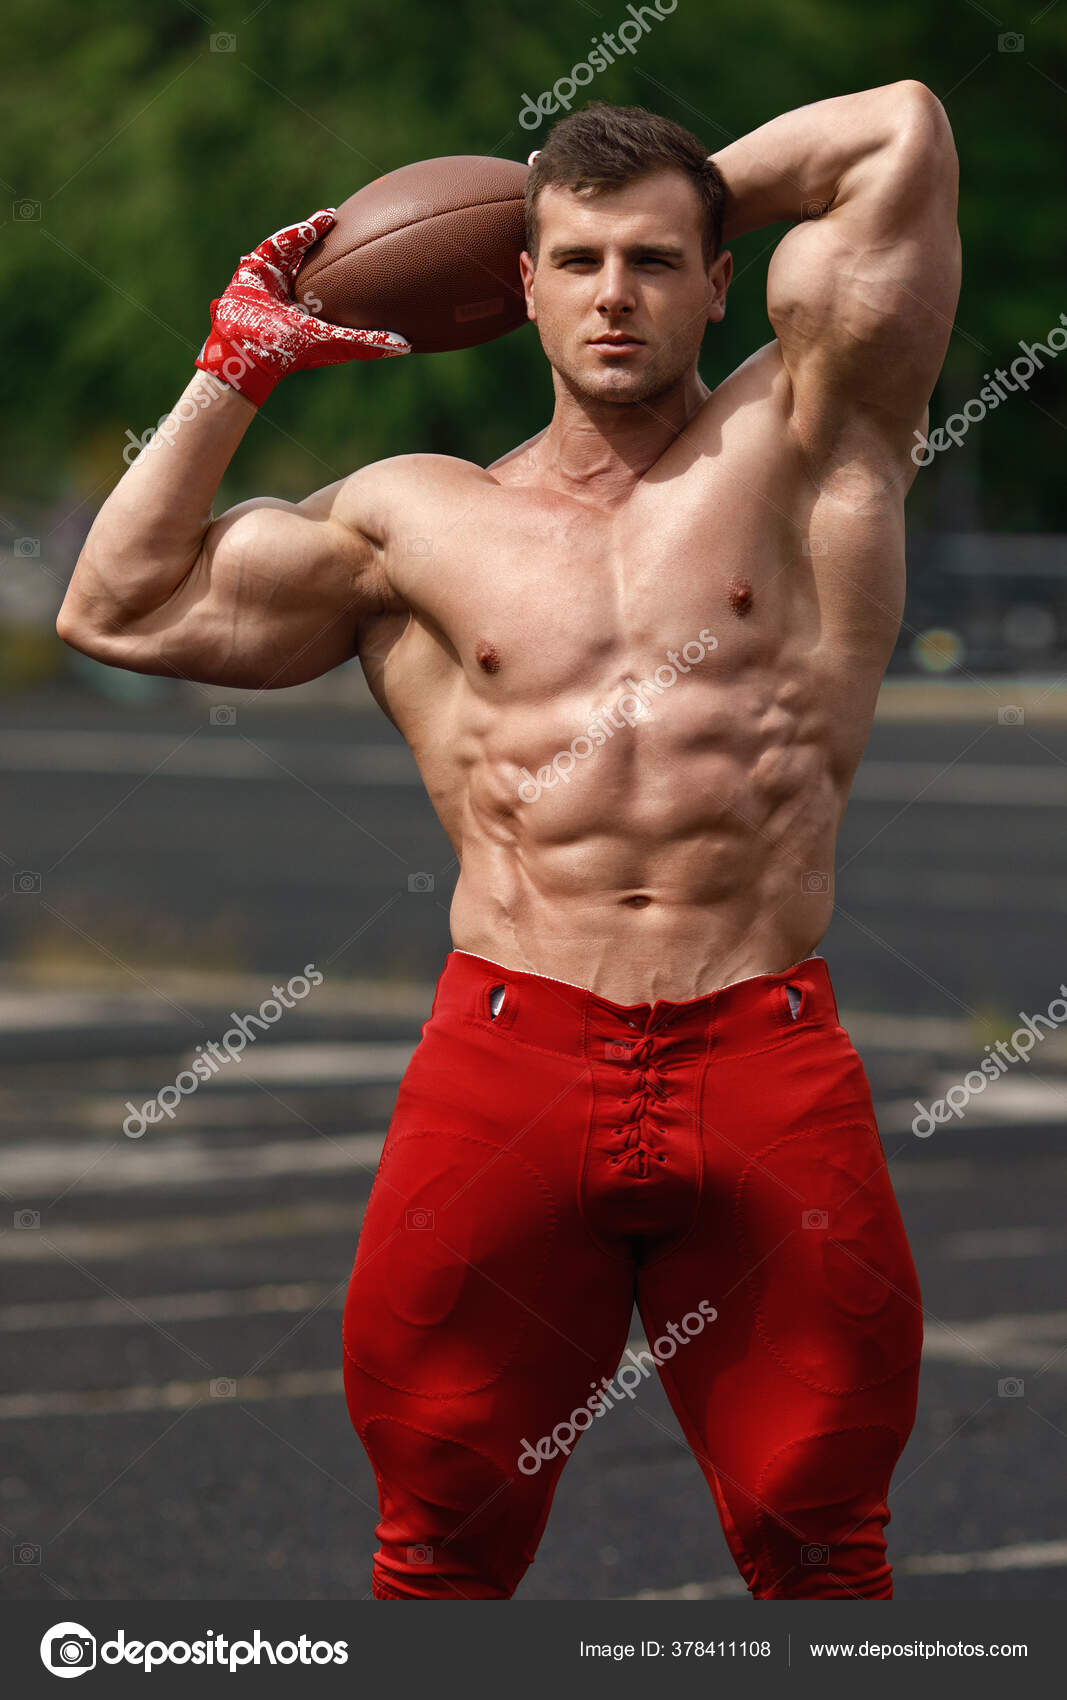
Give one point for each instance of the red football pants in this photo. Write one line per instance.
(719, 1161)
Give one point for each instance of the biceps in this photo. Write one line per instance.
(274, 599)
(862, 300)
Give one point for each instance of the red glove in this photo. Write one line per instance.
(259, 333)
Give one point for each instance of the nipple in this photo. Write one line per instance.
(739, 592)
(487, 657)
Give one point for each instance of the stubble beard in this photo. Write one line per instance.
(652, 383)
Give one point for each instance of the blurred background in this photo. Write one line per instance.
(169, 852)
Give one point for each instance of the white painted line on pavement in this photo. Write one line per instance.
(29, 1008)
(109, 1401)
(207, 756)
(723, 1588)
(34, 1011)
(1003, 1242)
(1027, 1340)
(954, 888)
(1029, 1555)
(1010, 1105)
(1015, 1099)
(315, 1064)
(1040, 785)
(210, 1305)
(32, 1170)
(121, 1240)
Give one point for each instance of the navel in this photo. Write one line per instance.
(739, 594)
(638, 901)
(487, 657)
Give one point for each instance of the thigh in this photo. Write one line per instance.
(474, 1254)
(801, 1393)
(818, 1311)
(480, 1316)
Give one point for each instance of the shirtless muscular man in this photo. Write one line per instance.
(636, 660)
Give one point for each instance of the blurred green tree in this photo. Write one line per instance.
(146, 149)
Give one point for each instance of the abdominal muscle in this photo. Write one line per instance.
(670, 948)
(670, 863)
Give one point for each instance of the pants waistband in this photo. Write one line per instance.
(559, 1016)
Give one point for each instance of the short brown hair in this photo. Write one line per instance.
(604, 147)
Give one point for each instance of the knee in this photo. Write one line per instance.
(450, 1525)
(431, 1583)
(819, 1512)
(453, 1479)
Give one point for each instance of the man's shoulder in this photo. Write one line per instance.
(398, 492)
(411, 473)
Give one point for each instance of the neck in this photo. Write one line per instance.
(606, 447)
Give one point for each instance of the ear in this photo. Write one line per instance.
(526, 268)
(720, 272)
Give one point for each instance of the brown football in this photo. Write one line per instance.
(431, 251)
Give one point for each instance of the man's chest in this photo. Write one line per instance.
(532, 601)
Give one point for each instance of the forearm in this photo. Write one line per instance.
(801, 163)
(150, 531)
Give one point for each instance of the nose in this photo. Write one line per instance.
(615, 293)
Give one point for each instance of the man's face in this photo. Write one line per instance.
(620, 293)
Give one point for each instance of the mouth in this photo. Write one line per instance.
(617, 342)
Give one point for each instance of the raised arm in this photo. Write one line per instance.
(272, 592)
(862, 292)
